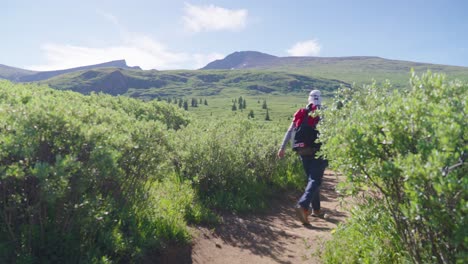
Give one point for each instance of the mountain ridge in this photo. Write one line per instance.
(351, 69)
(240, 59)
(251, 71)
(263, 58)
(22, 75)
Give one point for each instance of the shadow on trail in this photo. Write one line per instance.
(267, 234)
(257, 233)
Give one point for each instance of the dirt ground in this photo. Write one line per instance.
(272, 237)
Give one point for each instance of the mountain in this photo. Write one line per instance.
(249, 72)
(356, 69)
(258, 60)
(241, 60)
(21, 75)
(12, 73)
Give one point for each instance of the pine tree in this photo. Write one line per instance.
(251, 114)
(185, 105)
(264, 106)
(267, 117)
(206, 102)
(194, 102)
(234, 107)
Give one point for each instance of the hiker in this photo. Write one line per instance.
(314, 166)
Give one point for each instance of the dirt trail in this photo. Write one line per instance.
(273, 237)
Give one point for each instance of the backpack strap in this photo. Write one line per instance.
(305, 119)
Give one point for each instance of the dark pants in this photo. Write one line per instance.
(314, 169)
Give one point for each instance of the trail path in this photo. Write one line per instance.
(273, 237)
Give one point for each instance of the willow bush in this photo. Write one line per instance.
(75, 173)
(409, 149)
(232, 162)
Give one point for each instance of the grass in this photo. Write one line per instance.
(362, 70)
(280, 107)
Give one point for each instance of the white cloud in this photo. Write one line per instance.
(305, 48)
(213, 18)
(136, 49)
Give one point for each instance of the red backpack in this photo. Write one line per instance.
(305, 132)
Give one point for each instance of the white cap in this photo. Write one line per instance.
(315, 97)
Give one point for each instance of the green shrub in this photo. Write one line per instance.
(369, 236)
(404, 145)
(74, 176)
(232, 162)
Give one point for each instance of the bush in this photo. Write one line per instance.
(75, 173)
(232, 163)
(411, 147)
(369, 236)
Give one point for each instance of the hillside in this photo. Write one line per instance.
(13, 74)
(21, 75)
(245, 72)
(153, 84)
(243, 60)
(358, 69)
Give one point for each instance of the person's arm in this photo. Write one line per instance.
(287, 137)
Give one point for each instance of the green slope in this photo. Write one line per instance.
(184, 83)
(358, 69)
(13, 74)
(246, 72)
(364, 69)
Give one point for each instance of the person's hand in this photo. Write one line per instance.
(281, 153)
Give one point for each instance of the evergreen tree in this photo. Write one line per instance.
(206, 102)
(180, 103)
(251, 114)
(264, 106)
(267, 117)
(234, 107)
(194, 102)
(185, 105)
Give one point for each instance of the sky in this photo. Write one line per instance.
(47, 35)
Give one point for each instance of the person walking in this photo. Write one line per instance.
(314, 167)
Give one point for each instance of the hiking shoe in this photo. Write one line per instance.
(302, 214)
(317, 213)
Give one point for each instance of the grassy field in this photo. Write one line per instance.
(280, 107)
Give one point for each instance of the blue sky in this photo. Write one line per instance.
(172, 34)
